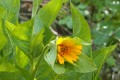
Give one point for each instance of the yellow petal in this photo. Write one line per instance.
(68, 42)
(65, 41)
(75, 51)
(59, 41)
(68, 58)
(58, 49)
(73, 56)
(60, 59)
(77, 47)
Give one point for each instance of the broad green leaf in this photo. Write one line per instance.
(85, 64)
(3, 40)
(21, 59)
(21, 35)
(5, 66)
(2, 12)
(87, 49)
(10, 9)
(35, 7)
(25, 73)
(50, 57)
(48, 36)
(59, 69)
(46, 16)
(7, 49)
(11, 76)
(45, 72)
(69, 76)
(48, 13)
(101, 57)
(80, 25)
(36, 45)
(86, 76)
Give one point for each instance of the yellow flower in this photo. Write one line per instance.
(68, 50)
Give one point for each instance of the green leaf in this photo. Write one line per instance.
(25, 73)
(59, 69)
(80, 25)
(2, 12)
(7, 49)
(52, 54)
(21, 59)
(35, 7)
(36, 45)
(5, 66)
(69, 76)
(48, 36)
(48, 13)
(10, 9)
(46, 17)
(3, 40)
(86, 76)
(21, 35)
(11, 76)
(45, 72)
(101, 57)
(85, 64)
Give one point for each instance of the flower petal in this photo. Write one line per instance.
(60, 59)
(68, 58)
(75, 51)
(73, 56)
(77, 47)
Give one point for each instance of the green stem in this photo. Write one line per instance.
(39, 60)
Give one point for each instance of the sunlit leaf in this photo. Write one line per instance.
(35, 7)
(11, 10)
(48, 13)
(80, 25)
(46, 16)
(5, 66)
(3, 40)
(37, 45)
(21, 59)
(21, 35)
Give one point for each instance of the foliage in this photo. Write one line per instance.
(29, 49)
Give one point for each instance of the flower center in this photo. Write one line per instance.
(63, 49)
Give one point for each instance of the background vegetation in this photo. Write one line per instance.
(103, 17)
